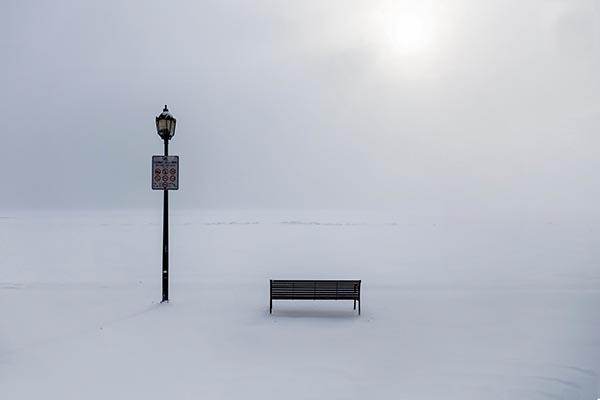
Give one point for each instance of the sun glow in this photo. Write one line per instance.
(410, 34)
(398, 32)
(404, 40)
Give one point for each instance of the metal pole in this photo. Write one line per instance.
(165, 253)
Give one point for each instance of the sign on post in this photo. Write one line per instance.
(165, 172)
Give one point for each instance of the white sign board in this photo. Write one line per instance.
(165, 172)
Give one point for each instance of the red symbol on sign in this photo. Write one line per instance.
(165, 185)
(172, 170)
(165, 178)
(172, 179)
(157, 171)
(157, 178)
(165, 171)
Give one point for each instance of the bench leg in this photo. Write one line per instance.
(359, 307)
(271, 308)
(355, 304)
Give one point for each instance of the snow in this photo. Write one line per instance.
(453, 308)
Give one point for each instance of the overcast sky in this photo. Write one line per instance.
(449, 105)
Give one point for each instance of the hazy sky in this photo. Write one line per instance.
(449, 105)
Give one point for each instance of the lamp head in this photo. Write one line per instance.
(165, 124)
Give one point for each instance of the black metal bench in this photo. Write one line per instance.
(315, 290)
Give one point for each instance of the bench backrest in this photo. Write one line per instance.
(315, 290)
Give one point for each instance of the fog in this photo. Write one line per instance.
(494, 109)
(445, 153)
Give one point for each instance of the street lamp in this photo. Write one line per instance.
(165, 127)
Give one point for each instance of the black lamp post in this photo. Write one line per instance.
(165, 126)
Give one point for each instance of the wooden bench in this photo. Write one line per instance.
(315, 290)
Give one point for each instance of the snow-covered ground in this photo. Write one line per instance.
(453, 308)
